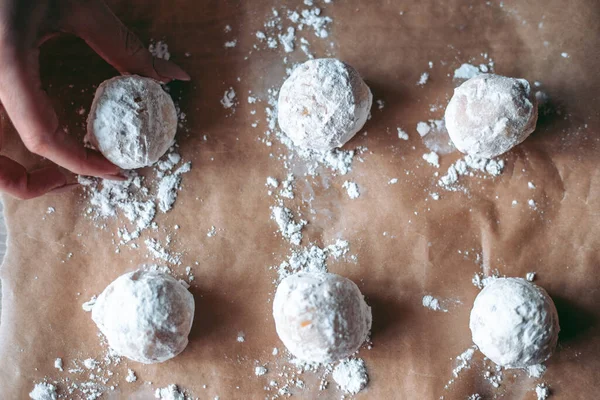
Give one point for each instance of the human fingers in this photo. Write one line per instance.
(18, 182)
(94, 22)
(31, 112)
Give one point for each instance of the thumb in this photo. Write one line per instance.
(95, 23)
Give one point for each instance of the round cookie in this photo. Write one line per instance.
(323, 104)
(132, 121)
(490, 114)
(514, 323)
(320, 317)
(146, 316)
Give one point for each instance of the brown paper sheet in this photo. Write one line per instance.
(425, 249)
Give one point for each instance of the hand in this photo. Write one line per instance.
(24, 26)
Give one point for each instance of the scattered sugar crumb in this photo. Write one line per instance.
(402, 134)
(289, 229)
(393, 181)
(530, 185)
(212, 232)
(228, 100)
(50, 210)
(564, 55)
(260, 370)
(536, 371)
(423, 128)
(43, 391)
(466, 71)
(432, 158)
(131, 377)
(423, 79)
(351, 189)
(90, 363)
(170, 392)
(542, 391)
(88, 305)
(351, 375)
(531, 203)
(241, 337)
(530, 276)
(380, 104)
(432, 303)
(272, 182)
(230, 44)
(434, 195)
(58, 364)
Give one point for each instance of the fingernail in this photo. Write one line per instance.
(115, 177)
(65, 188)
(170, 70)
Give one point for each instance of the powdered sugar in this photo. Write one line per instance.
(43, 391)
(351, 189)
(288, 228)
(351, 375)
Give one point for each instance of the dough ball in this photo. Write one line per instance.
(323, 104)
(146, 316)
(132, 121)
(320, 317)
(490, 114)
(514, 323)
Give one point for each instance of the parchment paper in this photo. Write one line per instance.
(430, 247)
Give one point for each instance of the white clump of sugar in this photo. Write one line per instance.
(43, 391)
(536, 370)
(141, 112)
(402, 134)
(58, 364)
(230, 44)
(490, 114)
(432, 158)
(312, 259)
(241, 337)
(466, 71)
(272, 182)
(89, 305)
(530, 276)
(90, 363)
(542, 391)
(287, 40)
(351, 375)
(467, 166)
(304, 306)
(323, 104)
(287, 187)
(289, 229)
(170, 392)
(530, 185)
(531, 203)
(168, 187)
(463, 361)
(160, 49)
(351, 189)
(423, 79)
(564, 55)
(260, 370)
(212, 232)
(432, 303)
(145, 316)
(228, 100)
(131, 377)
(393, 181)
(134, 198)
(514, 323)
(423, 128)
